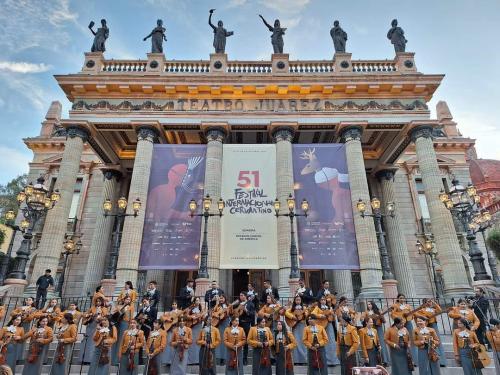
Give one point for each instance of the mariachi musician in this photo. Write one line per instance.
(104, 338)
(465, 342)
(284, 344)
(343, 308)
(324, 314)
(398, 340)
(261, 340)
(372, 311)
(73, 310)
(52, 311)
(462, 311)
(304, 293)
(427, 342)
(90, 319)
(27, 312)
(234, 341)
(155, 345)
(182, 339)
(493, 336)
(347, 345)
(315, 339)
(131, 343)
(11, 336)
(99, 293)
(208, 340)
(296, 319)
(170, 320)
(40, 338)
(146, 316)
(402, 310)
(195, 315)
(66, 337)
(221, 320)
(245, 311)
(370, 343)
(121, 315)
(128, 291)
(430, 312)
(269, 310)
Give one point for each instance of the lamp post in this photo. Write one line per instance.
(4, 264)
(427, 248)
(120, 216)
(71, 247)
(463, 203)
(206, 205)
(294, 254)
(36, 201)
(377, 216)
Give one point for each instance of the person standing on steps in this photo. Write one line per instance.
(43, 283)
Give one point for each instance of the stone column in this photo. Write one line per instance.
(396, 236)
(51, 243)
(213, 186)
(283, 137)
(445, 235)
(369, 257)
(342, 282)
(128, 259)
(99, 245)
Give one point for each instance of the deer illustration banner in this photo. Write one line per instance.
(171, 238)
(249, 231)
(326, 238)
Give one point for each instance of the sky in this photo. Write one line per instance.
(41, 38)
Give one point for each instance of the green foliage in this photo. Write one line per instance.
(8, 194)
(494, 241)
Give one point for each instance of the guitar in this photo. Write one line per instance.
(299, 316)
(480, 357)
(171, 320)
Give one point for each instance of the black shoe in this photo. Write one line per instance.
(441, 365)
(245, 362)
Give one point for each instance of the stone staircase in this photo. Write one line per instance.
(451, 368)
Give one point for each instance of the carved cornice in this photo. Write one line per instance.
(73, 131)
(283, 134)
(423, 131)
(147, 133)
(351, 133)
(215, 134)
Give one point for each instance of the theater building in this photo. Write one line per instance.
(206, 117)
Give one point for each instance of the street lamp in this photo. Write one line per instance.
(36, 201)
(4, 264)
(377, 215)
(427, 248)
(463, 203)
(294, 254)
(206, 204)
(120, 215)
(70, 247)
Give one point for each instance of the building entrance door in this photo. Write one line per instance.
(240, 282)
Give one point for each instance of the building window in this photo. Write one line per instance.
(424, 209)
(77, 192)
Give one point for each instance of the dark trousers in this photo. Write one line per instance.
(40, 293)
(481, 332)
(246, 327)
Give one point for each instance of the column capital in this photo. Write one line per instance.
(283, 133)
(147, 133)
(109, 174)
(73, 131)
(351, 133)
(386, 174)
(215, 134)
(422, 131)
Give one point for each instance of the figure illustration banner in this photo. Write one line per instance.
(171, 237)
(326, 237)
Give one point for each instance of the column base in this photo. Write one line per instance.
(457, 293)
(486, 283)
(109, 287)
(371, 293)
(13, 287)
(202, 285)
(293, 285)
(390, 288)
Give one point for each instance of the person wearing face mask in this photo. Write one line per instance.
(182, 339)
(208, 340)
(397, 339)
(261, 340)
(234, 340)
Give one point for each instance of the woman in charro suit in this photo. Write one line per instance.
(105, 337)
(131, 343)
(182, 339)
(11, 336)
(40, 339)
(91, 317)
(66, 337)
(155, 345)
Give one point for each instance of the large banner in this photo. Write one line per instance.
(249, 238)
(327, 238)
(171, 238)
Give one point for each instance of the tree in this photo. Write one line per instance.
(8, 194)
(493, 241)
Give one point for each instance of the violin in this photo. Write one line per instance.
(35, 347)
(3, 349)
(265, 355)
(131, 353)
(317, 361)
(60, 357)
(152, 367)
(104, 348)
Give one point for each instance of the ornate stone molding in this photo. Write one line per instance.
(147, 133)
(424, 131)
(216, 134)
(386, 174)
(77, 131)
(351, 133)
(109, 174)
(283, 133)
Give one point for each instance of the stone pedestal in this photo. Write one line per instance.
(390, 288)
(156, 62)
(405, 62)
(218, 63)
(294, 285)
(202, 285)
(93, 62)
(280, 63)
(109, 287)
(13, 287)
(342, 62)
